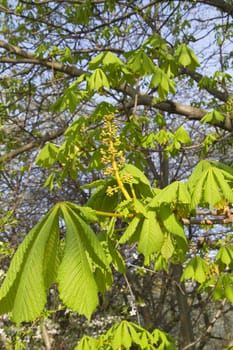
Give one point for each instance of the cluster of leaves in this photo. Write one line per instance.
(81, 266)
(126, 334)
(68, 246)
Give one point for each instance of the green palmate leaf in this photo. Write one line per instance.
(227, 170)
(224, 288)
(103, 108)
(96, 61)
(141, 185)
(67, 56)
(52, 257)
(121, 337)
(155, 41)
(24, 290)
(105, 59)
(98, 80)
(103, 279)
(50, 181)
(197, 173)
(165, 340)
(125, 334)
(110, 59)
(161, 263)
(48, 155)
(186, 57)
(141, 64)
(225, 255)
(213, 117)
(136, 173)
(132, 232)
(164, 83)
(87, 213)
(182, 136)
(228, 284)
(88, 236)
(151, 236)
(139, 207)
(94, 184)
(87, 343)
(170, 221)
(163, 137)
(221, 178)
(99, 200)
(211, 188)
(196, 269)
(167, 247)
(76, 282)
(209, 140)
(72, 99)
(176, 192)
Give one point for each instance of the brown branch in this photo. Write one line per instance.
(206, 221)
(169, 106)
(46, 337)
(222, 96)
(205, 337)
(31, 145)
(30, 58)
(220, 4)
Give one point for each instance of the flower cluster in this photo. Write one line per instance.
(112, 156)
(229, 107)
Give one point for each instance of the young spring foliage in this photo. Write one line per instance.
(68, 247)
(81, 263)
(126, 334)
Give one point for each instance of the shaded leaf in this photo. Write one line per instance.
(132, 231)
(143, 187)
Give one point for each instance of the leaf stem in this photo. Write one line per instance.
(116, 215)
(117, 175)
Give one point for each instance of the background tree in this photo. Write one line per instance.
(150, 83)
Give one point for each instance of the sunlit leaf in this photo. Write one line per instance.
(76, 283)
(151, 236)
(24, 289)
(167, 247)
(213, 117)
(98, 80)
(186, 56)
(196, 269)
(48, 155)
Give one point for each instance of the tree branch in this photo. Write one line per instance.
(220, 4)
(190, 112)
(223, 96)
(31, 145)
(30, 58)
(169, 106)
